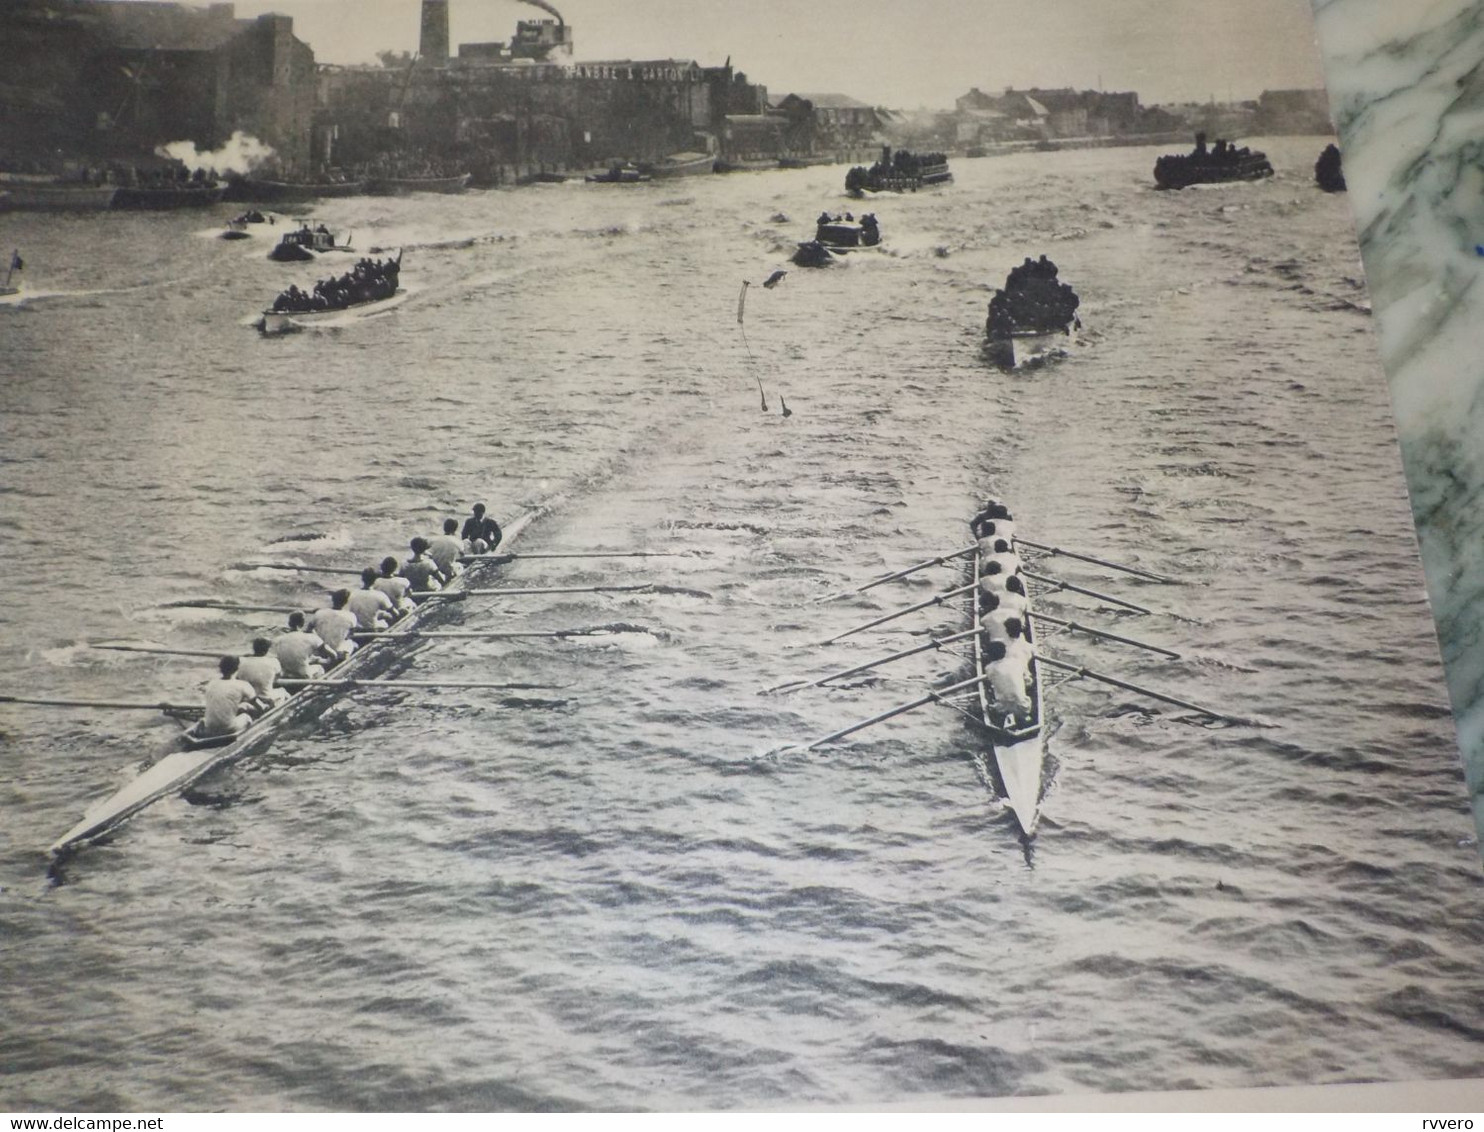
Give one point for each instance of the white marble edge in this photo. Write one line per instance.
(1406, 85)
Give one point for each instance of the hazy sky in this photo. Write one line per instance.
(902, 53)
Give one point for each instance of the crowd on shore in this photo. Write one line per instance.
(315, 641)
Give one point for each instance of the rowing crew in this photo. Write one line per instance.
(1003, 612)
(248, 686)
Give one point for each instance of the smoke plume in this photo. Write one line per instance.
(241, 154)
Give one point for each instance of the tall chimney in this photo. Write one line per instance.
(433, 47)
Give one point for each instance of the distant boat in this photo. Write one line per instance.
(1033, 317)
(1223, 162)
(266, 191)
(374, 295)
(163, 197)
(688, 164)
(804, 161)
(24, 192)
(619, 175)
(837, 235)
(746, 164)
(298, 244)
(900, 172)
(401, 186)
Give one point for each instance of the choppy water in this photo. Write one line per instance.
(442, 901)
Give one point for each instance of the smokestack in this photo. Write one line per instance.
(433, 44)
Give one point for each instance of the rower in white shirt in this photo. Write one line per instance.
(395, 586)
(999, 551)
(262, 670)
(371, 607)
(445, 549)
(1006, 682)
(299, 651)
(334, 624)
(228, 702)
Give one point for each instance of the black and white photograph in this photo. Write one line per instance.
(702, 557)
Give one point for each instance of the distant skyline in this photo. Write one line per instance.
(904, 54)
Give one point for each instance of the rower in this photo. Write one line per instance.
(993, 577)
(228, 702)
(333, 625)
(1006, 682)
(299, 651)
(445, 550)
(1018, 650)
(395, 587)
(1013, 599)
(992, 617)
(994, 522)
(262, 670)
(371, 607)
(999, 551)
(421, 572)
(481, 534)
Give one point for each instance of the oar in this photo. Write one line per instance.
(1076, 628)
(122, 705)
(1078, 670)
(647, 587)
(296, 566)
(939, 599)
(938, 561)
(496, 556)
(934, 643)
(1099, 561)
(484, 634)
(934, 695)
(1058, 584)
(371, 682)
(155, 650)
(231, 607)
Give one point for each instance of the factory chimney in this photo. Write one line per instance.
(433, 45)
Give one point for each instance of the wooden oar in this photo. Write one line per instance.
(934, 643)
(122, 705)
(1077, 628)
(938, 561)
(933, 696)
(1078, 670)
(647, 587)
(486, 634)
(155, 650)
(496, 556)
(938, 599)
(231, 607)
(1062, 552)
(1058, 584)
(295, 566)
(372, 682)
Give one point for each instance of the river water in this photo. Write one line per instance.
(618, 893)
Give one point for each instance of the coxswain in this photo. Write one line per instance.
(420, 571)
(262, 670)
(371, 607)
(334, 623)
(445, 549)
(394, 586)
(481, 534)
(1006, 681)
(228, 702)
(299, 651)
